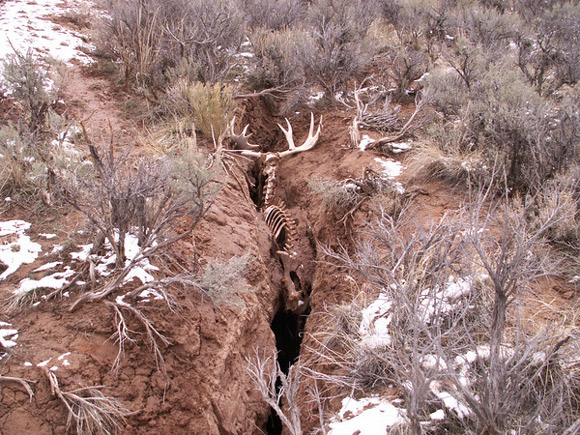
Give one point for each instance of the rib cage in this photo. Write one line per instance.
(279, 222)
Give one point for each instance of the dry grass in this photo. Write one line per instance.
(16, 302)
(429, 162)
(339, 356)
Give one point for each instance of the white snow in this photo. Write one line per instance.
(26, 24)
(61, 357)
(8, 336)
(365, 142)
(105, 264)
(20, 250)
(438, 415)
(440, 301)
(400, 147)
(56, 249)
(432, 362)
(120, 300)
(27, 364)
(47, 236)
(367, 416)
(316, 97)
(146, 294)
(54, 281)
(83, 254)
(374, 326)
(43, 363)
(47, 266)
(451, 403)
(391, 168)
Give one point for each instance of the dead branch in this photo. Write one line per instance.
(23, 382)
(420, 103)
(265, 372)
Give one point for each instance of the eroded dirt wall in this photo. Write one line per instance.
(206, 388)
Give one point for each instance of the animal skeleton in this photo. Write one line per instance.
(277, 217)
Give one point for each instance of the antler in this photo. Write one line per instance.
(308, 144)
(247, 149)
(241, 140)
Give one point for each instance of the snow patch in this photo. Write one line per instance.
(316, 97)
(438, 415)
(365, 142)
(441, 301)
(374, 326)
(83, 254)
(105, 264)
(44, 363)
(452, 403)
(27, 25)
(19, 249)
(60, 358)
(8, 336)
(47, 236)
(367, 416)
(391, 168)
(146, 295)
(400, 147)
(47, 266)
(54, 281)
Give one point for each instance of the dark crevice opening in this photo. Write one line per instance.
(274, 424)
(287, 328)
(257, 189)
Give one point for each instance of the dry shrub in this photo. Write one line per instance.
(401, 65)
(340, 357)
(336, 195)
(439, 312)
(525, 139)
(446, 90)
(207, 107)
(133, 34)
(149, 37)
(222, 282)
(340, 46)
(277, 59)
(30, 83)
(274, 15)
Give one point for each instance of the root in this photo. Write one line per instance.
(23, 382)
(123, 334)
(90, 410)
